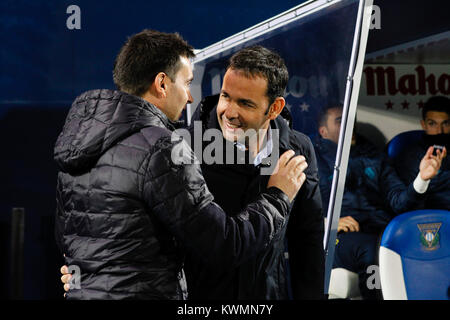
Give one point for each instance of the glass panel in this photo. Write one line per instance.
(316, 49)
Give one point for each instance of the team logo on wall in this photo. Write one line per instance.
(429, 235)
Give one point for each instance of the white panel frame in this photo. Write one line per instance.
(345, 136)
(270, 24)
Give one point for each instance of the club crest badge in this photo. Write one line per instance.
(429, 235)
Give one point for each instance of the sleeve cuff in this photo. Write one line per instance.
(281, 195)
(420, 185)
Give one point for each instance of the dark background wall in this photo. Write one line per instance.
(44, 66)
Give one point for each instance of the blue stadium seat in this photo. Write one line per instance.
(414, 257)
(401, 141)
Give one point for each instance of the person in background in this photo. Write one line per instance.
(373, 194)
(436, 125)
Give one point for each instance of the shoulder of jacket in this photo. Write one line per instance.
(300, 141)
(153, 133)
(146, 139)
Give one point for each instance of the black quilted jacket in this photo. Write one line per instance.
(126, 213)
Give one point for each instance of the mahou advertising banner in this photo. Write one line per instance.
(403, 88)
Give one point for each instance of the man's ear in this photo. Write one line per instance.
(323, 132)
(276, 107)
(160, 84)
(422, 123)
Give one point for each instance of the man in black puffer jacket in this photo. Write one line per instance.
(126, 211)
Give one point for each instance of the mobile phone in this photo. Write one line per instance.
(436, 147)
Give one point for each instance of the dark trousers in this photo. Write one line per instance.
(356, 251)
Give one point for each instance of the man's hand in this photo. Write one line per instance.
(289, 175)
(65, 278)
(348, 224)
(430, 164)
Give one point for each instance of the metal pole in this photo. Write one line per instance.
(17, 252)
(345, 136)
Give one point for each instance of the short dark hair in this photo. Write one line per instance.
(260, 61)
(437, 103)
(144, 55)
(322, 116)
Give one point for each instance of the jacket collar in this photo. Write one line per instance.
(99, 119)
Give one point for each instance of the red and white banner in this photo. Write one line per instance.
(403, 88)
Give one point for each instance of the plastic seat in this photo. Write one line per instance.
(414, 256)
(344, 284)
(402, 141)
